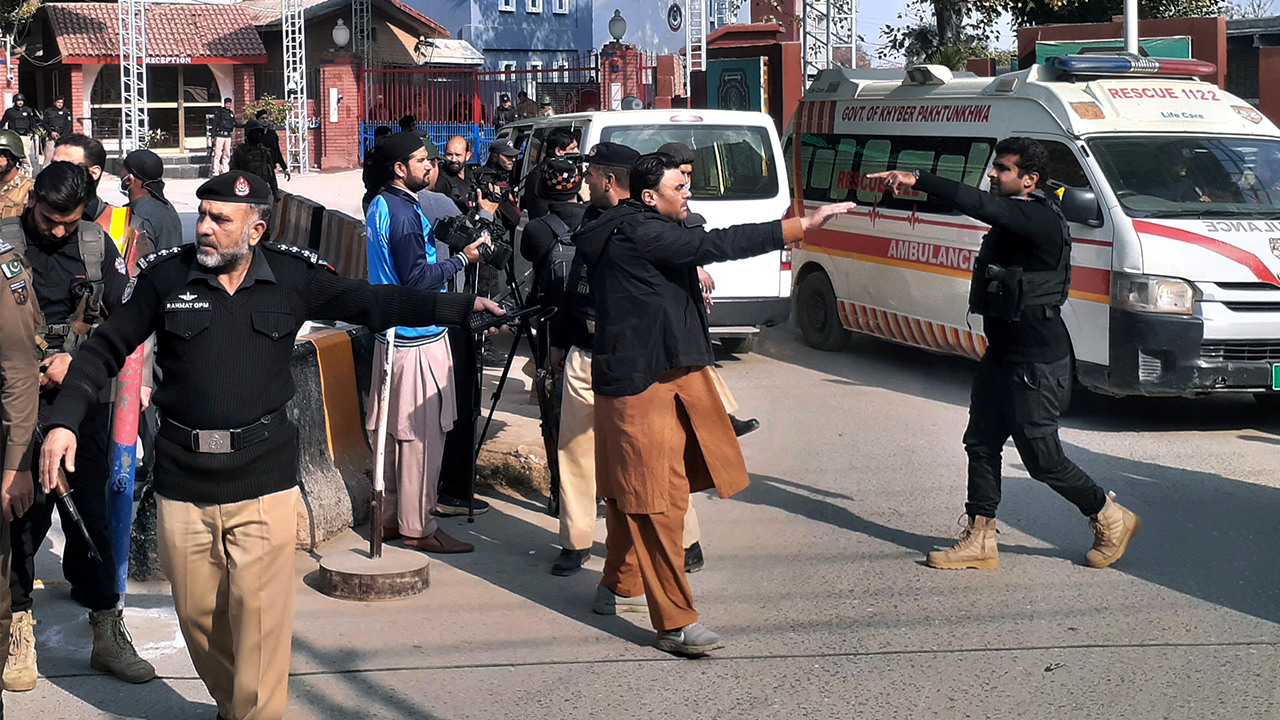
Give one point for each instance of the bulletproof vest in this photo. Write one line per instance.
(1004, 292)
(23, 121)
(66, 337)
(259, 161)
(224, 121)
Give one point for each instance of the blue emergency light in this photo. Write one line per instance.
(1127, 64)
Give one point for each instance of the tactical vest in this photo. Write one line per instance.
(1004, 292)
(67, 336)
(14, 200)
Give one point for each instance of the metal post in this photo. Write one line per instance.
(695, 29)
(135, 127)
(297, 132)
(380, 454)
(360, 22)
(1131, 26)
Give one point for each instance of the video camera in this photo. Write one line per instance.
(462, 230)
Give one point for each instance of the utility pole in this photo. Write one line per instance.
(135, 128)
(295, 85)
(829, 34)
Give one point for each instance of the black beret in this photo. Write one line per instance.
(613, 155)
(399, 146)
(236, 187)
(679, 151)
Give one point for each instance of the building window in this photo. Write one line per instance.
(531, 84)
(533, 6)
(563, 75)
(507, 5)
(561, 7)
(507, 67)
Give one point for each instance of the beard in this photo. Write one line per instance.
(452, 167)
(223, 260)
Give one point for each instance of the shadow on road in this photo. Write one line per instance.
(370, 695)
(871, 362)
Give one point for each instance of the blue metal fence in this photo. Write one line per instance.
(439, 133)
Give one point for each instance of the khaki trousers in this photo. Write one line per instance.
(577, 453)
(221, 156)
(644, 552)
(231, 570)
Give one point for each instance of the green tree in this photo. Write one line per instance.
(14, 17)
(1041, 12)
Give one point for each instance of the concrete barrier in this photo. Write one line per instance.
(342, 244)
(276, 223)
(301, 223)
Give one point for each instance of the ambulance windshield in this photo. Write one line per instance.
(730, 163)
(1184, 176)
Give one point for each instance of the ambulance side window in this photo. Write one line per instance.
(1064, 167)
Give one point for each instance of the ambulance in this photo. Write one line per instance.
(737, 178)
(1171, 187)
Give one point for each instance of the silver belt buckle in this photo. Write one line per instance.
(591, 326)
(212, 441)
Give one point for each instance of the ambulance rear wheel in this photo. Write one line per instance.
(817, 316)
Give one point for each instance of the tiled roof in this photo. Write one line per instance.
(267, 12)
(173, 31)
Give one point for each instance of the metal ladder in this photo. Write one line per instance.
(135, 127)
(298, 155)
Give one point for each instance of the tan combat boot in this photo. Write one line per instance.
(976, 548)
(20, 667)
(113, 648)
(1113, 527)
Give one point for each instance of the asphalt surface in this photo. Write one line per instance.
(814, 577)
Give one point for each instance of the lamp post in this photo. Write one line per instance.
(341, 34)
(617, 26)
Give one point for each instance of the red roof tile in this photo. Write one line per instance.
(173, 31)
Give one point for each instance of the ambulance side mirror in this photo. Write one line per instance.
(1081, 206)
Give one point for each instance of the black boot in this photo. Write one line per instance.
(569, 561)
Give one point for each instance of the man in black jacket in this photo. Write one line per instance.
(1021, 279)
(224, 123)
(652, 388)
(23, 120)
(546, 240)
(57, 122)
(271, 141)
(560, 142)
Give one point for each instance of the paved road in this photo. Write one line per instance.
(814, 577)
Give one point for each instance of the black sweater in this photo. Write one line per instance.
(1025, 233)
(226, 358)
(643, 270)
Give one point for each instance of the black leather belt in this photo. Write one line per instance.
(222, 441)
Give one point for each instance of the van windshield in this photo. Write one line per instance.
(1181, 176)
(731, 162)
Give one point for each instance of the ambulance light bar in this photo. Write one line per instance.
(1126, 64)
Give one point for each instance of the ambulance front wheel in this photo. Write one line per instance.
(817, 316)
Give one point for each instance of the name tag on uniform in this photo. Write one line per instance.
(187, 301)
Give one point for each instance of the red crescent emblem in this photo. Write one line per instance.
(242, 187)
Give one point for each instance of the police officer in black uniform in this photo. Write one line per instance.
(225, 310)
(22, 120)
(1021, 279)
(78, 277)
(57, 122)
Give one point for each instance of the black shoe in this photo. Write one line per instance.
(693, 560)
(742, 427)
(446, 505)
(569, 561)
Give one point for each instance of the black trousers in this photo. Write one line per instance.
(92, 583)
(1022, 400)
(458, 463)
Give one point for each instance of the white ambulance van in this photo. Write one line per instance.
(737, 179)
(1171, 184)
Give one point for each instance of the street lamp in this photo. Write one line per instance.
(341, 34)
(617, 26)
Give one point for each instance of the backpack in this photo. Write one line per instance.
(553, 276)
(256, 158)
(93, 250)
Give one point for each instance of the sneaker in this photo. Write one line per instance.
(692, 639)
(693, 559)
(569, 562)
(610, 603)
(448, 506)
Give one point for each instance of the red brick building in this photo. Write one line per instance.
(197, 55)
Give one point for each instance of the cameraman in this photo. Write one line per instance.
(560, 142)
(455, 173)
(423, 407)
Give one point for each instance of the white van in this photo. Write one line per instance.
(737, 179)
(1173, 187)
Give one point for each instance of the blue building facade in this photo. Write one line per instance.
(518, 34)
(653, 25)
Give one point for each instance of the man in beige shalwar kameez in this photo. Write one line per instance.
(661, 429)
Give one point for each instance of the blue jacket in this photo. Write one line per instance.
(402, 251)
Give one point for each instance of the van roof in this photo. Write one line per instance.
(623, 117)
(1080, 104)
